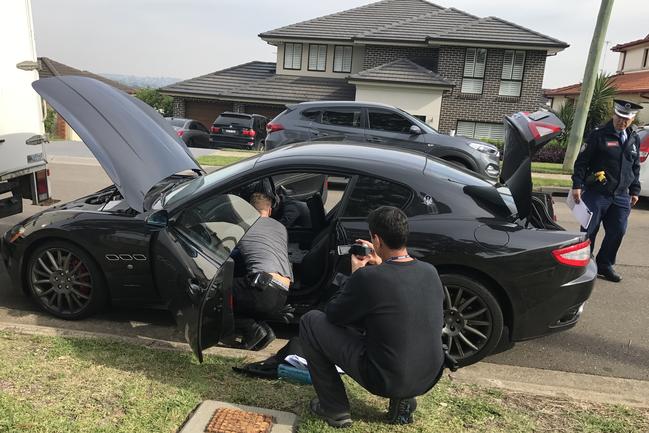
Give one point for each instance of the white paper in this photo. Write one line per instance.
(579, 210)
(299, 362)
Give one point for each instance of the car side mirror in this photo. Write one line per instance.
(415, 130)
(158, 220)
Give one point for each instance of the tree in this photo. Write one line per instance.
(600, 110)
(162, 103)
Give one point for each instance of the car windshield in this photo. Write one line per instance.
(202, 183)
(244, 121)
(423, 125)
(218, 223)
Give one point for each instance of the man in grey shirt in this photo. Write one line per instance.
(263, 250)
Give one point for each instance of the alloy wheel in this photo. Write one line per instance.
(62, 281)
(468, 323)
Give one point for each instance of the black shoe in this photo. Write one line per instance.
(253, 335)
(337, 420)
(267, 339)
(608, 273)
(400, 410)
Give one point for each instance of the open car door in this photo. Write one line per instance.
(194, 269)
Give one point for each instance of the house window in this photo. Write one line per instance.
(292, 56)
(317, 57)
(644, 57)
(474, 66)
(512, 76)
(492, 131)
(342, 59)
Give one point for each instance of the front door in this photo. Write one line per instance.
(193, 268)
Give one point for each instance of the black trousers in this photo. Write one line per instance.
(251, 302)
(326, 345)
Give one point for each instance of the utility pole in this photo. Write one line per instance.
(588, 84)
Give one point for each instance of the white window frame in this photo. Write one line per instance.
(511, 79)
(293, 56)
(317, 58)
(474, 70)
(339, 58)
(496, 130)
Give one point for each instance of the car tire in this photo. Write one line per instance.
(473, 318)
(65, 281)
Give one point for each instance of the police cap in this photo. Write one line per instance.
(626, 109)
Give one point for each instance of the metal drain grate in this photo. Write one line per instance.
(227, 420)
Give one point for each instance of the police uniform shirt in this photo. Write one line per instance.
(616, 154)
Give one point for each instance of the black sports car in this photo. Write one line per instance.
(164, 233)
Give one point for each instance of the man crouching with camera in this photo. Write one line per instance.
(383, 328)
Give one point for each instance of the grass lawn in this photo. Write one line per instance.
(217, 160)
(549, 167)
(548, 181)
(53, 384)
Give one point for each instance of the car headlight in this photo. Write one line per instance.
(15, 233)
(485, 148)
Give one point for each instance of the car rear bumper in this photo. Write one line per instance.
(218, 141)
(560, 311)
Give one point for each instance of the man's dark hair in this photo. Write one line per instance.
(390, 224)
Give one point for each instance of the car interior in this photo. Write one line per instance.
(312, 229)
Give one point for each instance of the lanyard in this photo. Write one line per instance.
(393, 258)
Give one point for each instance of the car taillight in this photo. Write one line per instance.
(215, 130)
(644, 149)
(574, 255)
(180, 132)
(248, 132)
(274, 127)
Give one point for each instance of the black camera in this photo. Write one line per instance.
(355, 249)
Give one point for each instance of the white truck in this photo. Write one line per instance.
(23, 166)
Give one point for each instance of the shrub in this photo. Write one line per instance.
(50, 123)
(554, 151)
(162, 103)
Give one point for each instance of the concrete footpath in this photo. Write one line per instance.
(535, 381)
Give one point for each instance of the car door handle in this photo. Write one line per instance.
(375, 140)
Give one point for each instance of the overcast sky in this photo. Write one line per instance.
(187, 38)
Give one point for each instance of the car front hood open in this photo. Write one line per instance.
(134, 144)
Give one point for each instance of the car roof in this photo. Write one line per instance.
(230, 113)
(340, 104)
(346, 154)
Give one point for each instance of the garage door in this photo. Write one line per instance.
(270, 111)
(206, 111)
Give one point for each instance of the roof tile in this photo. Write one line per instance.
(402, 71)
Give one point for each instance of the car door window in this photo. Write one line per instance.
(370, 193)
(193, 126)
(217, 224)
(348, 117)
(382, 120)
(200, 127)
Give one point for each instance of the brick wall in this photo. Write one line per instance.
(488, 107)
(376, 55)
(179, 107)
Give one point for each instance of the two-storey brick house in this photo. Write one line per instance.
(631, 80)
(452, 69)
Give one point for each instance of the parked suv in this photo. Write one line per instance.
(246, 131)
(378, 123)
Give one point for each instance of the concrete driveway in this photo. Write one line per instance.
(610, 340)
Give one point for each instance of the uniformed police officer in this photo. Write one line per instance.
(606, 177)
